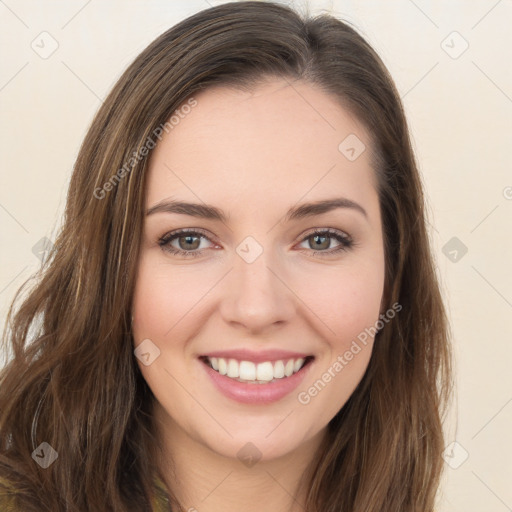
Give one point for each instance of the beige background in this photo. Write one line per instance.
(459, 106)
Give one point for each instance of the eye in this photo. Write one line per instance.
(320, 240)
(188, 242)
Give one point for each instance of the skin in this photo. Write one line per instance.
(255, 155)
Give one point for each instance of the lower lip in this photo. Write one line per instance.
(248, 393)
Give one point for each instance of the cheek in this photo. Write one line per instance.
(161, 308)
(151, 302)
(346, 302)
(350, 308)
(162, 297)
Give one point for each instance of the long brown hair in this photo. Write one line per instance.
(73, 381)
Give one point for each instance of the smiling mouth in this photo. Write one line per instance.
(265, 372)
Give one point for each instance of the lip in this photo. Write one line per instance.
(257, 357)
(248, 393)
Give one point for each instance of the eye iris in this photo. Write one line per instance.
(187, 239)
(320, 245)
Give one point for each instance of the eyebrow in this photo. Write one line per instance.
(302, 211)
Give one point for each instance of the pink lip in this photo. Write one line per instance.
(257, 357)
(248, 393)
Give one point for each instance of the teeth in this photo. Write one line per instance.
(279, 369)
(247, 371)
(223, 366)
(288, 369)
(297, 365)
(233, 371)
(264, 371)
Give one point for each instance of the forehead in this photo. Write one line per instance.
(276, 144)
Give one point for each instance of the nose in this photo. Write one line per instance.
(256, 296)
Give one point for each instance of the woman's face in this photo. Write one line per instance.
(258, 288)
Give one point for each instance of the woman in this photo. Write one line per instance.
(242, 300)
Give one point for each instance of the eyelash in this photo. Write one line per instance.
(164, 242)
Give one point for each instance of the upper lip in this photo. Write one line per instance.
(257, 357)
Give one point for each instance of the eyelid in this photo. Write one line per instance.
(330, 231)
(171, 235)
(192, 230)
